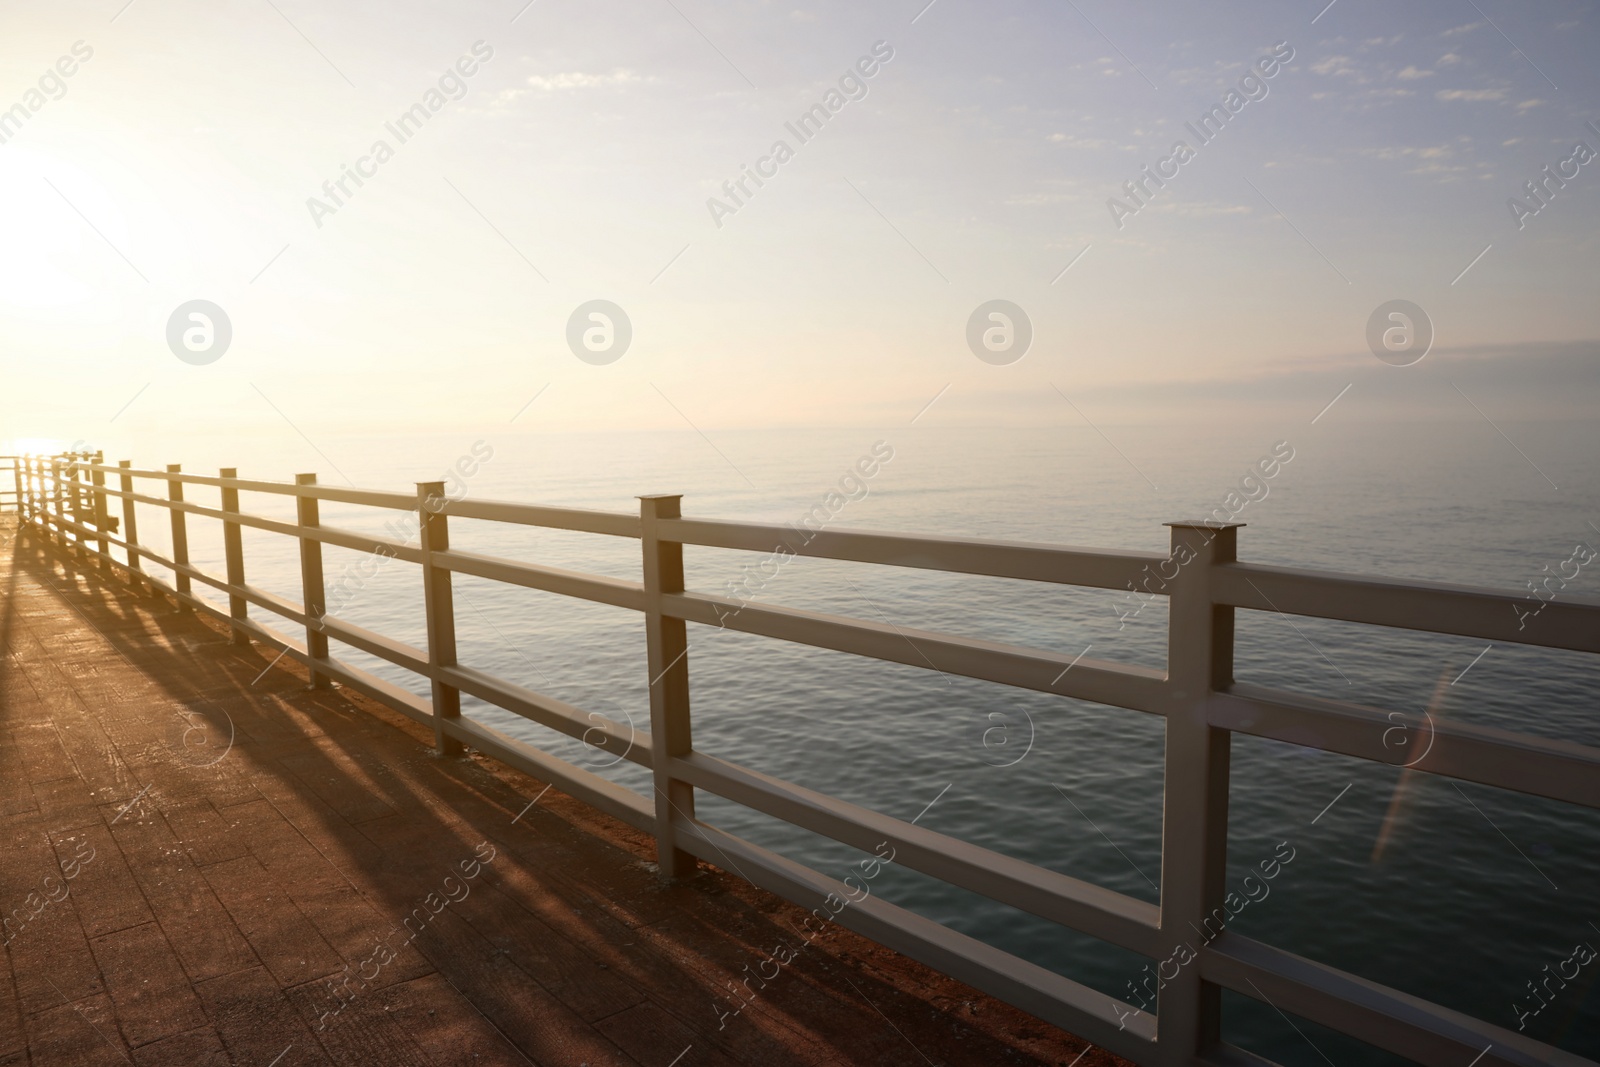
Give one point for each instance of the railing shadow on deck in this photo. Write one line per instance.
(308, 754)
(1196, 695)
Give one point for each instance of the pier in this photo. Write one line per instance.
(246, 855)
(364, 875)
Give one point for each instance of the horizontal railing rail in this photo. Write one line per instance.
(1137, 688)
(1539, 766)
(67, 498)
(1572, 622)
(1090, 567)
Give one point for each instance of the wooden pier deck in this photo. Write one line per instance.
(207, 862)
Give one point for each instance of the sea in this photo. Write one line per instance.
(1466, 895)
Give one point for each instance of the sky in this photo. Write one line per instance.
(590, 154)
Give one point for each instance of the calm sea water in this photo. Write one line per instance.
(1475, 891)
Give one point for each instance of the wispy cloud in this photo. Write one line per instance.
(579, 80)
(1439, 151)
(1196, 209)
(1076, 142)
(1470, 94)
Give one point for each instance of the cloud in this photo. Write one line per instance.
(1041, 199)
(1335, 65)
(1439, 161)
(1196, 209)
(578, 80)
(1470, 94)
(568, 81)
(1449, 172)
(1456, 31)
(1526, 104)
(1412, 73)
(1076, 142)
(1449, 59)
(1441, 151)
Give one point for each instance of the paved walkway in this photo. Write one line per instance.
(200, 866)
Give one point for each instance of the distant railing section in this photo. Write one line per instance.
(66, 497)
(10, 483)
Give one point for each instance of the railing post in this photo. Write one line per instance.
(180, 536)
(16, 476)
(130, 521)
(97, 479)
(439, 603)
(58, 489)
(75, 504)
(41, 498)
(74, 508)
(667, 650)
(35, 489)
(62, 469)
(1194, 829)
(233, 552)
(313, 597)
(25, 490)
